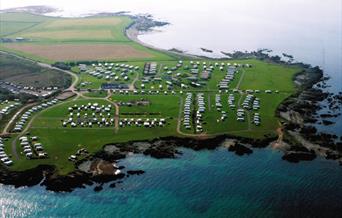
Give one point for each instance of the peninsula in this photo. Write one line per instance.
(85, 94)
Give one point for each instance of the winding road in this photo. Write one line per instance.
(132, 85)
(240, 80)
(20, 111)
(71, 88)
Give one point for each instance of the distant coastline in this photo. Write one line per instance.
(139, 27)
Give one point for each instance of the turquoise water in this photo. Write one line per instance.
(197, 184)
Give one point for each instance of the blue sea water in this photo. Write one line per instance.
(209, 183)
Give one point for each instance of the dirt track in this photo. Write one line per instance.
(14, 118)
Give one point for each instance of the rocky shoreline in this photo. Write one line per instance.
(102, 167)
(299, 112)
(146, 23)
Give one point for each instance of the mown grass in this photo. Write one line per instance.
(272, 76)
(60, 142)
(96, 94)
(14, 23)
(163, 105)
(104, 29)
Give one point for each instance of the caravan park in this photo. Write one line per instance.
(122, 91)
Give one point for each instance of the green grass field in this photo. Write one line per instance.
(77, 29)
(53, 29)
(103, 37)
(13, 23)
(165, 106)
(61, 142)
(96, 94)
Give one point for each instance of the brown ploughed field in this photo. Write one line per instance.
(73, 52)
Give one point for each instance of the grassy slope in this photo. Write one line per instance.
(12, 23)
(26, 73)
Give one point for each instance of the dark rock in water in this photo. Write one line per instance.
(307, 130)
(206, 50)
(67, 183)
(295, 157)
(310, 120)
(333, 155)
(225, 53)
(339, 146)
(135, 172)
(107, 178)
(162, 149)
(146, 22)
(110, 157)
(159, 153)
(113, 185)
(298, 148)
(327, 122)
(98, 188)
(29, 177)
(291, 126)
(240, 149)
(176, 50)
(327, 115)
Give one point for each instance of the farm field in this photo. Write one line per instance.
(52, 39)
(70, 29)
(26, 73)
(82, 52)
(12, 23)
